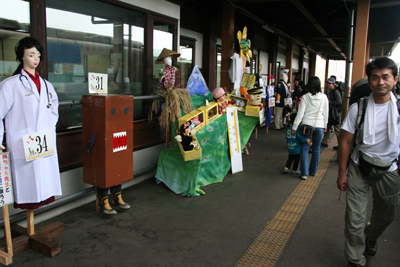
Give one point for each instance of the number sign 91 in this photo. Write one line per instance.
(98, 83)
(39, 144)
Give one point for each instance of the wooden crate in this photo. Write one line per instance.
(252, 111)
(192, 154)
(191, 115)
(211, 112)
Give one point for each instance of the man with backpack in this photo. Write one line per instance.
(373, 162)
(335, 107)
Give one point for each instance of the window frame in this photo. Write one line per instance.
(39, 31)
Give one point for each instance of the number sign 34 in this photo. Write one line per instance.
(37, 145)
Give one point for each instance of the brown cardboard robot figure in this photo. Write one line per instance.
(108, 147)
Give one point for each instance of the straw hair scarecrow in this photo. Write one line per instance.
(173, 98)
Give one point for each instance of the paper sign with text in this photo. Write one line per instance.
(98, 83)
(38, 145)
(234, 139)
(6, 190)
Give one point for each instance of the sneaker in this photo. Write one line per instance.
(304, 177)
(295, 172)
(286, 170)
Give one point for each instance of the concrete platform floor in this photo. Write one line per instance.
(165, 229)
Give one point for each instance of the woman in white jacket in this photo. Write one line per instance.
(313, 111)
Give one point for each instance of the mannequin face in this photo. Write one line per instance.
(168, 61)
(31, 59)
(284, 77)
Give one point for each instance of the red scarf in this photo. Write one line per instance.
(36, 80)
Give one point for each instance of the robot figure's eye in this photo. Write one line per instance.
(126, 110)
(113, 111)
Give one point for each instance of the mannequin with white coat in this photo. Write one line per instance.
(29, 105)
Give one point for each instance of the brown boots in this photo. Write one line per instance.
(102, 200)
(116, 198)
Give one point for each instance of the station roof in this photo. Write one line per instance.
(322, 25)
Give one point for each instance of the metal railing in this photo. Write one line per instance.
(79, 102)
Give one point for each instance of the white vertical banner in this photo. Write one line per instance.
(6, 190)
(234, 139)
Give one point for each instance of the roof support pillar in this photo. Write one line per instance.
(39, 31)
(301, 63)
(312, 63)
(210, 52)
(273, 58)
(326, 74)
(289, 58)
(227, 43)
(350, 36)
(360, 43)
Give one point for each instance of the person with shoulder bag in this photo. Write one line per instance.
(312, 119)
(368, 155)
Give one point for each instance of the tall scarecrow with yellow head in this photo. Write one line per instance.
(245, 45)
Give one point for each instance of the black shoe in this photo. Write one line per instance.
(325, 145)
(371, 247)
(336, 147)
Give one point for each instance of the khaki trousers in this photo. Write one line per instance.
(385, 194)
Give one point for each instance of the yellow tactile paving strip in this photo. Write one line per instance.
(268, 246)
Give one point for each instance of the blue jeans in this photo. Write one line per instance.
(307, 168)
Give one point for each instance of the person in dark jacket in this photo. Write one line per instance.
(282, 91)
(335, 107)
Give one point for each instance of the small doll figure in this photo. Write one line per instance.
(219, 96)
(185, 137)
(196, 120)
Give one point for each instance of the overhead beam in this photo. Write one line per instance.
(310, 17)
(262, 22)
(388, 3)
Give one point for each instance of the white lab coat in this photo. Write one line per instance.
(25, 111)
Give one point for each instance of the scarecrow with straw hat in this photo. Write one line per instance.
(168, 78)
(173, 98)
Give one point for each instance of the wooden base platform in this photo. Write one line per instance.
(39, 241)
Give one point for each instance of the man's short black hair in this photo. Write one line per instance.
(381, 63)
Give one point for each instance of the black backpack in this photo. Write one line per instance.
(340, 87)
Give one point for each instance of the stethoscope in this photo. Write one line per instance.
(31, 91)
